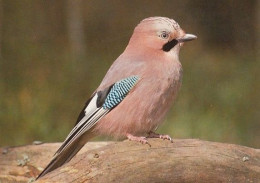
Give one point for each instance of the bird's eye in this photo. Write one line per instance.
(164, 35)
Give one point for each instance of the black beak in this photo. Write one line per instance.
(187, 37)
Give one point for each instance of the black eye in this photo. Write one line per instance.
(164, 35)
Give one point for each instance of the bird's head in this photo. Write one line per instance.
(159, 34)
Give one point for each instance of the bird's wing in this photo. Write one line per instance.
(101, 103)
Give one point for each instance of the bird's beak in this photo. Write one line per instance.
(187, 37)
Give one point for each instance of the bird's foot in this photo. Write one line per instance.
(143, 140)
(156, 135)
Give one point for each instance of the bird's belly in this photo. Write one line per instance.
(141, 111)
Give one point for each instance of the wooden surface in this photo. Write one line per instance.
(187, 160)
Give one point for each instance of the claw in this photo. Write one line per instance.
(143, 140)
(156, 135)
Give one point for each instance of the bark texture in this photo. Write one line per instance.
(187, 160)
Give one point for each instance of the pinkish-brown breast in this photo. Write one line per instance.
(145, 106)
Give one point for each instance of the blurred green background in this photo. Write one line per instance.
(53, 54)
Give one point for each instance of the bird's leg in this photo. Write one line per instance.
(152, 134)
(143, 140)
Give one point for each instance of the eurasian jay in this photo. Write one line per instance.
(136, 92)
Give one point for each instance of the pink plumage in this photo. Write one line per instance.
(161, 73)
(153, 56)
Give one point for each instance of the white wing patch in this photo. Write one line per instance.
(89, 112)
(92, 106)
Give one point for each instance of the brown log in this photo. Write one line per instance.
(187, 160)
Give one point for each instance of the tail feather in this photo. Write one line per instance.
(65, 156)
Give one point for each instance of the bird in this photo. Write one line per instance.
(136, 92)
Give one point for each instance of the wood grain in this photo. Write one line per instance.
(188, 160)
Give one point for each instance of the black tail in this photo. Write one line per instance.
(65, 155)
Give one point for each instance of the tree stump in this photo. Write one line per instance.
(182, 161)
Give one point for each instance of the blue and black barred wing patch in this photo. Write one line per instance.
(97, 107)
(119, 91)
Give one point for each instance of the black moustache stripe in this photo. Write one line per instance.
(168, 46)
